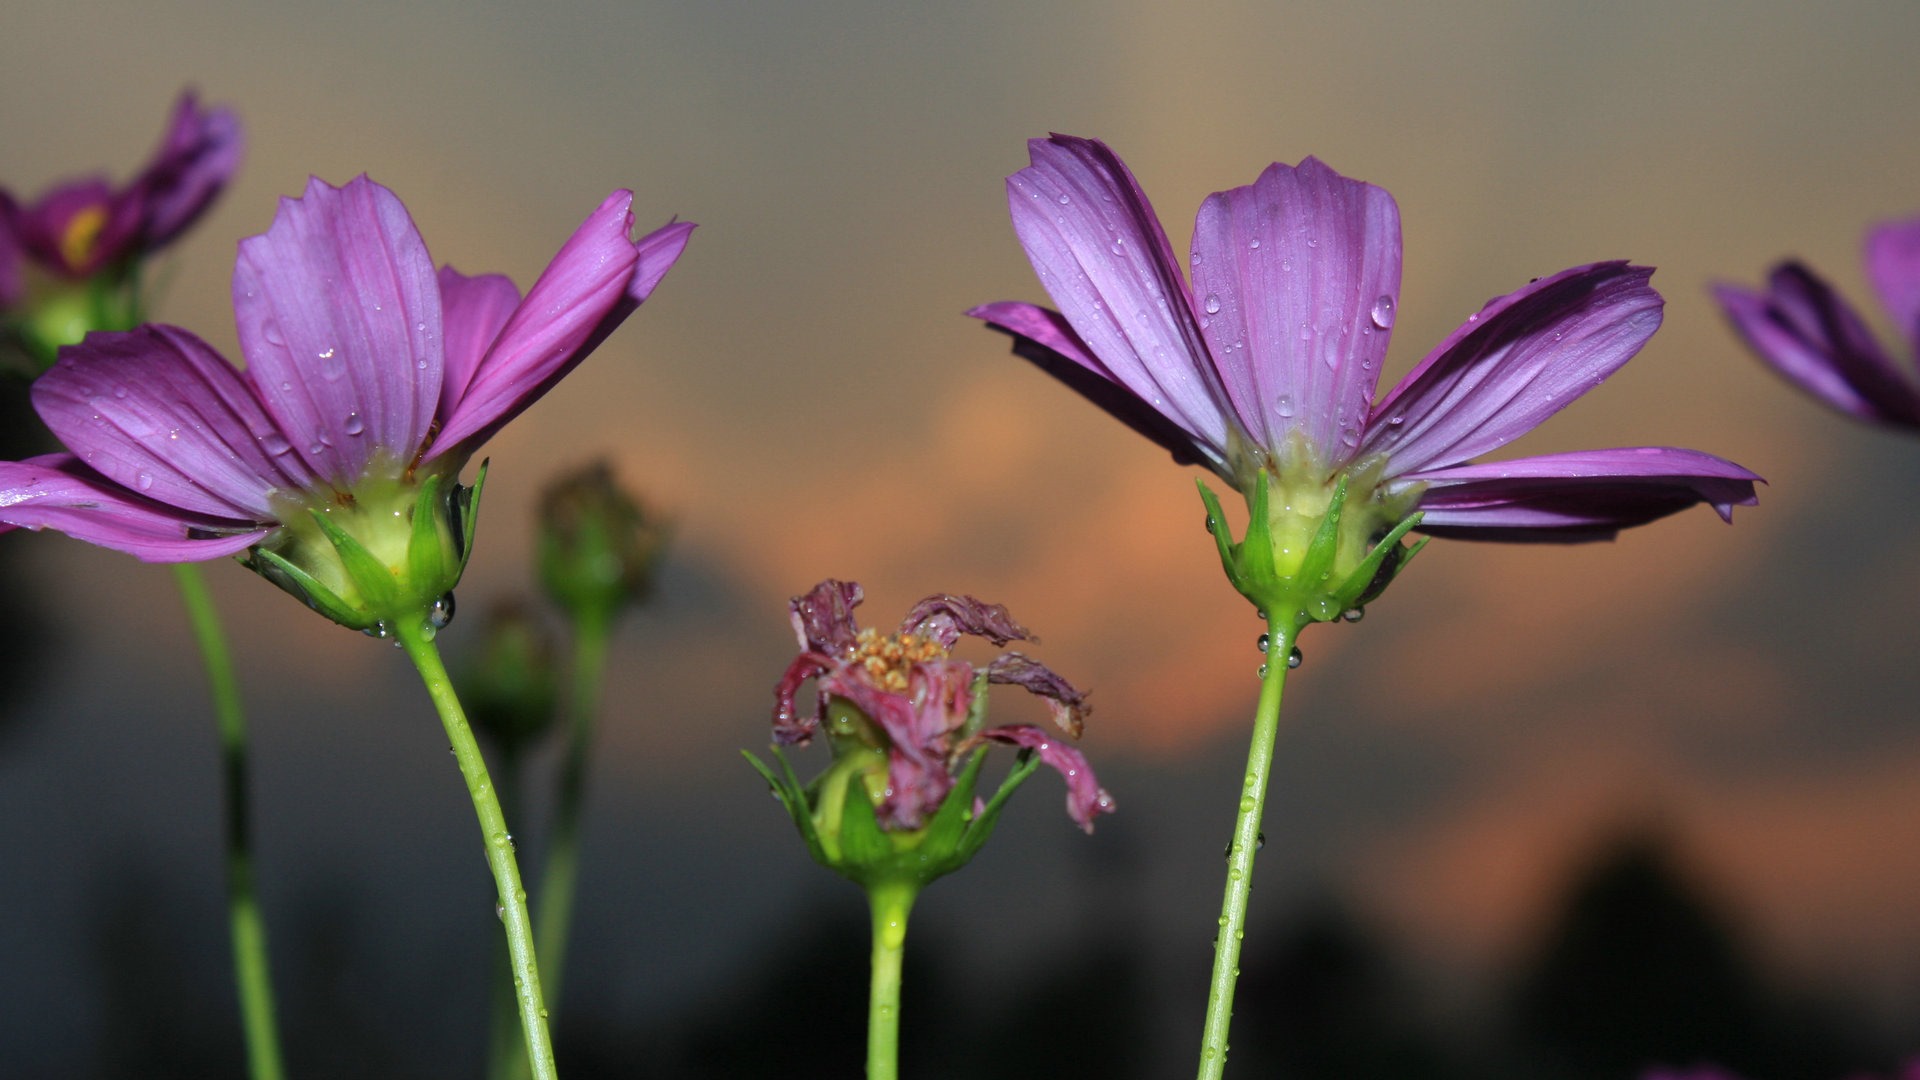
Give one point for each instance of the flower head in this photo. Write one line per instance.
(598, 545)
(370, 379)
(1805, 331)
(88, 229)
(1263, 368)
(906, 717)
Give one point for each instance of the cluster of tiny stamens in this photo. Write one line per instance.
(887, 660)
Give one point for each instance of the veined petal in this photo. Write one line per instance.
(1101, 254)
(1522, 358)
(1067, 705)
(823, 619)
(943, 617)
(338, 310)
(57, 492)
(1804, 330)
(158, 412)
(1043, 337)
(473, 310)
(598, 277)
(1297, 277)
(1085, 797)
(1585, 495)
(1893, 265)
(197, 156)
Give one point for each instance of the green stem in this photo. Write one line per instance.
(251, 972)
(563, 854)
(507, 1052)
(1246, 841)
(416, 637)
(890, 901)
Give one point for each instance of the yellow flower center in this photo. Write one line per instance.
(82, 232)
(887, 660)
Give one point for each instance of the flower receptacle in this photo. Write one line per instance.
(385, 552)
(1313, 552)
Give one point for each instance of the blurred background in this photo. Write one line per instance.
(1546, 812)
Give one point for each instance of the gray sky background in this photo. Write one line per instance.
(804, 397)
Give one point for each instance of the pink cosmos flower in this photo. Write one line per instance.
(1269, 358)
(925, 704)
(1803, 329)
(82, 227)
(370, 378)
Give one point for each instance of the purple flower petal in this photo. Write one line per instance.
(1804, 364)
(790, 727)
(1521, 359)
(598, 277)
(823, 619)
(75, 229)
(473, 310)
(158, 412)
(198, 155)
(1085, 797)
(943, 617)
(1893, 265)
(1297, 277)
(57, 492)
(1101, 254)
(1068, 706)
(338, 310)
(1587, 495)
(1043, 337)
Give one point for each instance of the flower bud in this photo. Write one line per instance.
(598, 547)
(511, 688)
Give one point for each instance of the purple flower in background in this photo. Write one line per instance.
(1269, 359)
(1815, 339)
(913, 702)
(370, 379)
(83, 227)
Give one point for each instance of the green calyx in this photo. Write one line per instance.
(836, 812)
(1314, 551)
(390, 550)
(60, 312)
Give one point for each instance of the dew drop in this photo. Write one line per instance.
(1313, 241)
(1210, 524)
(271, 331)
(353, 424)
(1246, 804)
(1284, 405)
(1119, 246)
(1306, 332)
(143, 481)
(1261, 642)
(1262, 672)
(120, 391)
(275, 445)
(1286, 265)
(1065, 198)
(286, 388)
(316, 449)
(328, 355)
(441, 613)
(1295, 658)
(1259, 841)
(1354, 614)
(1254, 243)
(1213, 304)
(1383, 312)
(1194, 259)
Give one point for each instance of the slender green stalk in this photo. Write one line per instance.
(890, 901)
(507, 1052)
(1246, 841)
(416, 638)
(251, 972)
(562, 874)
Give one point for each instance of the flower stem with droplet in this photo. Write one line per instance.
(1246, 841)
(891, 901)
(416, 637)
(252, 974)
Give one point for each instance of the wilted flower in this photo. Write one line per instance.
(907, 720)
(87, 232)
(598, 545)
(1805, 331)
(1266, 367)
(370, 379)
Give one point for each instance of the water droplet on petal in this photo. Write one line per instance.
(274, 444)
(120, 391)
(1284, 405)
(1306, 332)
(1254, 243)
(1193, 259)
(1119, 246)
(143, 481)
(1065, 198)
(353, 424)
(1383, 312)
(1213, 304)
(270, 330)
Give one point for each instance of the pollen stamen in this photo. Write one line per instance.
(888, 660)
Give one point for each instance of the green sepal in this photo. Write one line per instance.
(1222, 535)
(1367, 582)
(367, 573)
(303, 585)
(989, 816)
(1317, 567)
(467, 512)
(787, 788)
(424, 556)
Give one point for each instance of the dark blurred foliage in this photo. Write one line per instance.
(1638, 969)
